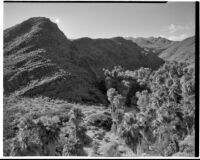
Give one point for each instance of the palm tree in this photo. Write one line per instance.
(118, 111)
(76, 117)
(27, 141)
(37, 137)
(48, 130)
(130, 133)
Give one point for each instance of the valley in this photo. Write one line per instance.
(105, 97)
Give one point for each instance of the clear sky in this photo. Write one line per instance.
(173, 20)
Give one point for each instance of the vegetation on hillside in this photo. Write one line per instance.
(165, 107)
(151, 112)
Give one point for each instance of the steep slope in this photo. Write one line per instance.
(153, 44)
(181, 51)
(107, 53)
(40, 60)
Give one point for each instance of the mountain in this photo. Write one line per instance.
(181, 51)
(40, 60)
(153, 44)
(168, 50)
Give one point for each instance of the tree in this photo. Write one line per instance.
(72, 147)
(143, 99)
(49, 130)
(166, 105)
(76, 117)
(27, 141)
(36, 137)
(129, 132)
(117, 107)
(110, 94)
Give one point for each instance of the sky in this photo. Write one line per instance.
(172, 20)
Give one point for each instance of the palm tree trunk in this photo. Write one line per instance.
(75, 134)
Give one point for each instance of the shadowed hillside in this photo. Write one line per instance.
(40, 60)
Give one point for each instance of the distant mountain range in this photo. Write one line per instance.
(180, 51)
(156, 45)
(168, 50)
(40, 60)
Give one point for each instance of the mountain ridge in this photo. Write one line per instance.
(181, 51)
(153, 44)
(40, 60)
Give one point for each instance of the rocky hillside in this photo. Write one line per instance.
(168, 50)
(153, 44)
(181, 51)
(40, 60)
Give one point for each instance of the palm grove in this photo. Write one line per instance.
(162, 120)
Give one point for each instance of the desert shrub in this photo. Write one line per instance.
(112, 150)
(49, 131)
(27, 138)
(59, 147)
(64, 118)
(67, 137)
(72, 147)
(36, 137)
(100, 120)
(172, 148)
(10, 121)
(68, 130)
(7, 146)
(81, 134)
(142, 147)
(95, 147)
(188, 145)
